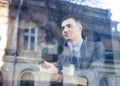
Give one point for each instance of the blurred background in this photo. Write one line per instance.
(31, 28)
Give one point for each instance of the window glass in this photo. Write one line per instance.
(33, 33)
(26, 30)
(32, 43)
(29, 39)
(26, 42)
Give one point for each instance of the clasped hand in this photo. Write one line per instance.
(49, 68)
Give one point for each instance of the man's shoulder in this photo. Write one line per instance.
(92, 44)
(87, 43)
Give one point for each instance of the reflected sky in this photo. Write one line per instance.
(113, 5)
(115, 8)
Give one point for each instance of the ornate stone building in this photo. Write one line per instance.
(30, 24)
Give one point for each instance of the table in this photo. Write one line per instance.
(47, 79)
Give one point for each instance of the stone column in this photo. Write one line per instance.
(4, 12)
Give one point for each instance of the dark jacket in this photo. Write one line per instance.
(89, 52)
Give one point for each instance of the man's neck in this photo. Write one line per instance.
(74, 42)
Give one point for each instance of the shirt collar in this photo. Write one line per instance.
(76, 47)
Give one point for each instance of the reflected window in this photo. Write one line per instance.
(30, 39)
(27, 79)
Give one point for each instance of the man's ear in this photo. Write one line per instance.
(80, 26)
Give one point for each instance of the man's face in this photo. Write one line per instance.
(70, 29)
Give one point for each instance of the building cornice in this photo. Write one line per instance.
(21, 59)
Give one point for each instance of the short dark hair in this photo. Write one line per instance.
(71, 16)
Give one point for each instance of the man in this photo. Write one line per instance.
(86, 52)
(77, 51)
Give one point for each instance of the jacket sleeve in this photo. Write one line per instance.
(59, 64)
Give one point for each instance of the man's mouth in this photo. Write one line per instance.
(67, 35)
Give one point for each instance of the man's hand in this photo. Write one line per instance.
(51, 68)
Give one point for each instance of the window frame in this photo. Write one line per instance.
(30, 35)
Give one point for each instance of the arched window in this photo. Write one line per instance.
(27, 79)
(104, 82)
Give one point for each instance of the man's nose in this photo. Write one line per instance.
(65, 29)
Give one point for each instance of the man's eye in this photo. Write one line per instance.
(62, 28)
(66, 26)
(69, 26)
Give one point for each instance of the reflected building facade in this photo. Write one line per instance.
(35, 24)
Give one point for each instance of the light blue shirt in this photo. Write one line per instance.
(76, 47)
